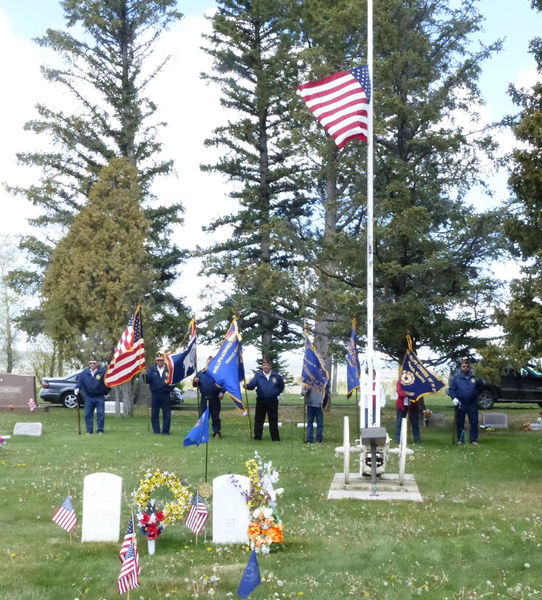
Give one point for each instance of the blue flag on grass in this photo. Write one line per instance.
(352, 363)
(415, 377)
(251, 577)
(227, 367)
(199, 434)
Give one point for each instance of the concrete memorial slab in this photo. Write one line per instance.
(230, 511)
(389, 487)
(27, 429)
(16, 391)
(101, 507)
(495, 419)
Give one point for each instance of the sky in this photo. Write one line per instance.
(192, 110)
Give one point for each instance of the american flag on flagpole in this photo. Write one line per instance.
(129, 572)
(129, 538)
(129, 357)
(198, 515)
(65, 515)
(340, 102)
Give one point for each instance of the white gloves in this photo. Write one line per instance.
(76, 391)
(456, 402)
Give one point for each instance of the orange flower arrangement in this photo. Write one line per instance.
(265, 529)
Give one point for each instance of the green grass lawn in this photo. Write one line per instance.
(477, 534)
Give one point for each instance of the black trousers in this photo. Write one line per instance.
(214, 411)
(269, 407)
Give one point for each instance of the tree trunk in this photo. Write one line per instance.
(9, 343)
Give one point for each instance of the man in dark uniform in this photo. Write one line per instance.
(269, 385)
(91, 382)
(464, 389)
(160, 395)
(211, 394)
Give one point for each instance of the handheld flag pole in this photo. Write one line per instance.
(248, 414)
(78, 414)
(206, 462)
(148, 398)
(304, 417)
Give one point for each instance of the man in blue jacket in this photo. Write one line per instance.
(160, 395)
(269, 385)
(91, 382)
(211, 395)
(464, 389)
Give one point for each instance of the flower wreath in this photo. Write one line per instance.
(173, 511)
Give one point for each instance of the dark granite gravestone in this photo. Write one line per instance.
(16, 391)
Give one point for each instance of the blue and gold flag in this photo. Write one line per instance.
(415, 377)
(352, 363)
(314, 374)
(227, 368)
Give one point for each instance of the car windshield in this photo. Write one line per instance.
(534, 372)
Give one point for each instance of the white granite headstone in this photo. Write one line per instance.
(101, 507)
(230, 511)
(27, 429)
(109, 407)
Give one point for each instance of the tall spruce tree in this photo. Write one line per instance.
(521, 319)
(254, 63)
(106, 66)
(100, 271)
(431, 249)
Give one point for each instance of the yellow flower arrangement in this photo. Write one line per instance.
(256, 496)
(173, 511)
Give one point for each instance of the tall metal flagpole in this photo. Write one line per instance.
(370, 325)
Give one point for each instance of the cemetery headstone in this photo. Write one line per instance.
(496, 420)
(16, 391)
(438, 419)
(101, 507)
(27, 429)
(230, 511)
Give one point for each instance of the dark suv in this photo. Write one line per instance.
(522, 386)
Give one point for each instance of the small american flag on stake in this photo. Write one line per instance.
(129, 357)
(65, 515)
(129, 572)
(198, 515)
(129, 538)
(340, 102)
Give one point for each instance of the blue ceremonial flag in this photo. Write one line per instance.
(352, 363)
(227, 368)
(199, 434)
(314, 374)
(415, 377)
(251, 577)
(183, 364)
